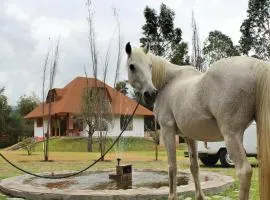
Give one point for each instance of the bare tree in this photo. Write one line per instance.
(119, 46)
(196, 57)
(96, 106)
(50, 95)
(106, 105)
(43, 100)
(89, 111)
(96, 113)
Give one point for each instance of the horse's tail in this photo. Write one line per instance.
(263, 130)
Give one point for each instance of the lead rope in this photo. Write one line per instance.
(84, 169)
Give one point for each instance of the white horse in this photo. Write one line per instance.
(212, 106)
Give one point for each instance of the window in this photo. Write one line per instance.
(78, 124)
(39, 122)
(51, 97)
(123, 122)
(103, 126)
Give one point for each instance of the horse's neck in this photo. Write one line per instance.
(164, 71)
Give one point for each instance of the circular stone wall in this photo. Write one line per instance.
(29, 187)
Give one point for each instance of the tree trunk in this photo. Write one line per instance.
(101, 146)
(156, 148)
(90, 142)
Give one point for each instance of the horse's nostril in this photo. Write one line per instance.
(146, 94)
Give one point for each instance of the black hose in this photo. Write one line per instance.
(78, 172)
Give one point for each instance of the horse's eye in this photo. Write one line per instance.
(132, 67)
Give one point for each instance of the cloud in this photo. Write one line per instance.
(29, 28)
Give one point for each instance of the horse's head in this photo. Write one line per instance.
(140, 71)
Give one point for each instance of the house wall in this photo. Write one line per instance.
(137, 131)
(115, 130)
(38, 131)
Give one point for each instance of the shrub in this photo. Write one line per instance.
(28, 144)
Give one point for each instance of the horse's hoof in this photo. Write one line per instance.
(172, 197)
(200, 197)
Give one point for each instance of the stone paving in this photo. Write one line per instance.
(212, 183)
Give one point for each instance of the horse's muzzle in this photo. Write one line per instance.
(150, 97)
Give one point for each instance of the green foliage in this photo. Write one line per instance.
(2, 90)
(217, 46)
(160, 34)
(12, 123)
(121, 86)
(255, 29)
(5, 111)
(179, 55)
(26, 104)
(28, 144)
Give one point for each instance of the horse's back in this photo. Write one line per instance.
(224, 94)
(230, 89)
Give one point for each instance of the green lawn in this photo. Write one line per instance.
(138, 152)
(67, 144)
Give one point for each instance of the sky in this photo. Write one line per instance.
(28, 28)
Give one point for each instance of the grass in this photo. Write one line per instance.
(139, 153)
(79, 144)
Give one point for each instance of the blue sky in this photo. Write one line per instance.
(29, 27)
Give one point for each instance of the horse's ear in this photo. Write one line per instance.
(146, 48)
(128, 48)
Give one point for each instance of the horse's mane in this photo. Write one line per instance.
(158, 71)
(159, 65)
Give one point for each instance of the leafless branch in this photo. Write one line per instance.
(50, 95)
(43, 94)
(120, 45)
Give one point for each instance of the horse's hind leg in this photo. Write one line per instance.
(168, 136)
(234, 144)
(194, 167)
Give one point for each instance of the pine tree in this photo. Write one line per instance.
(159, 33)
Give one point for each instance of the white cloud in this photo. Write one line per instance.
(13, 10)
(29, 27)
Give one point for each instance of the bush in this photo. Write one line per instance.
(28, 144)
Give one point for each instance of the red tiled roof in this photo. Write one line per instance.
(69, 100)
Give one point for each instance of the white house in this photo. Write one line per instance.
(66, 105)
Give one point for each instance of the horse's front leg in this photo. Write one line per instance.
(194, 167)
(168, 135)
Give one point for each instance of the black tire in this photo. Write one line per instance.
(209, 160)
(225, 158)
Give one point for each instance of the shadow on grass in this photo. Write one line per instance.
(254, 165)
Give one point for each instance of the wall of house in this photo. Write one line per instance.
(115, 130)
(38, 131)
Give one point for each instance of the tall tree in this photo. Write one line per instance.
(27, 103)
(5, 111)
(217, 46)
(255, 29)
(10, 122)
(161, 36)
(96, 110)
(24, 106)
